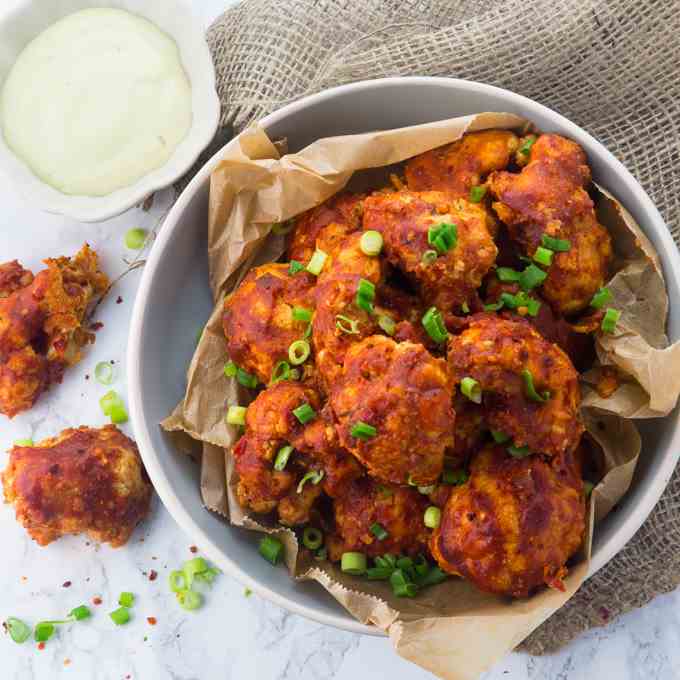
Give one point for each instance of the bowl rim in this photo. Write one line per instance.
(206, 110)
(607, 550)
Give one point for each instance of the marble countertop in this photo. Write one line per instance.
(234, 635)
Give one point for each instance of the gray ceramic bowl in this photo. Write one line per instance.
(174, 300)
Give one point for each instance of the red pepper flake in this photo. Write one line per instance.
(604, 613)
(193, 549)
(119, 299)
(96, 600)
(153, 575)
(41, 645)
(66, 584)
(152, 620)
(97, 326)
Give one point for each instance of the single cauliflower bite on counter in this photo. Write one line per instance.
(393, 410)
(85, 480)
(41, 324)
(514, 524)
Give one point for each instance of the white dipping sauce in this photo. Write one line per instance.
(96, 101)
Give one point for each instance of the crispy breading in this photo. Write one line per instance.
(84, 480)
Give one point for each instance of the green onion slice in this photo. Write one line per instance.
(135, 239)
(190, 599)
(543, 256)
(312, 538)
(443, 237)
(500, 437)
(281, 371)
(519, 451)
(434, 575)
(230, 369)
(531, 277)
(80, 613)
(588, 488)
(23, 442)
(531, 390)
(294, 267)
(610, 319)
(559, 245)
(271, 549)
(455, 477)
(236, 415)
(282, 457)
(103, 373)
(18, 630)
(507, 274)
(298, 352)
(429, 256)
(401, 585)
(365, 295)
(387, 323)
(525, 148)
(321, 554)
(304, 413)
(113, 407)
(361, 430)
(471, 389)
(378, 573)
(313, 476)
(126, 600)
(302, 314)
(347, 325)
(465, 308)
(378, 530)
(192, 568)
(371, 243)
(281, 228)
(477, 193)
(177, 581)
(434, 325)
(432, 517)
(601, 298)
(353, 563)
(493, 306)
(120, 616)
(44, 631)
(317, 262)
(246, 379)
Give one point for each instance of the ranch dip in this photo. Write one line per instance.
(96, 101)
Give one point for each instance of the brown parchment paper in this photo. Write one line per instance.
(451, 629)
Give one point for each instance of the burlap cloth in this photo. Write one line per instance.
(610, 66)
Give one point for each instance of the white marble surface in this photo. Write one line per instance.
(234, 636)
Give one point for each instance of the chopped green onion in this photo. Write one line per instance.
(308, 331)
(190, 599)
(543, 256)
(271, 549)
(281, 371)
(429, 256)
(120, 616)
(509, 300)
(455, 477)
(192, 568)
(387, 323)
(353, 563)
(588, 488)
(304, 413)
(321, 554)
(43, 631)
(23, 442)
(247, 592)
(103, 373)
(347, 325)
(601, 298)
(365, 295)
(521, 299)
(401, 586)
(531, 390)
(298, 352)
(426, 490)
(477, 193)
(199, 335)
(500, 437)
(443, 237)
(80, 613)
(126, 600)
(610, 319)
(361, 430)
(532, 306)
(281, 228)
(559, 245)
(246, 379)
(317, 262)
(379, 573)
(465, 308)
(508, 274)
(434, 575)
(378, 530)
(404, 563)
(282, 457)
(313, 476)
(302, 314)
(432, 517)
(421, 565)
(113, 407)
(471, 389)
(177, 581)
(312, 538)
(525, 148)
(519, 451)
(18, 630)
(531, 277)
(294, 267)
(135, 239)
(493, 306)
(371, 243)
(208, 576)
(434, 325)
(236, 415)
(230, 369)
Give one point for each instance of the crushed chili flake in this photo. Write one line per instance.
(41, 645)
(66, 584)
(96, 326)
(96, 600)
(193, 549)
(153, 574)
(119, 299)
(152, 620)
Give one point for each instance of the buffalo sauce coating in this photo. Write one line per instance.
(84, 480)
(514, 524)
